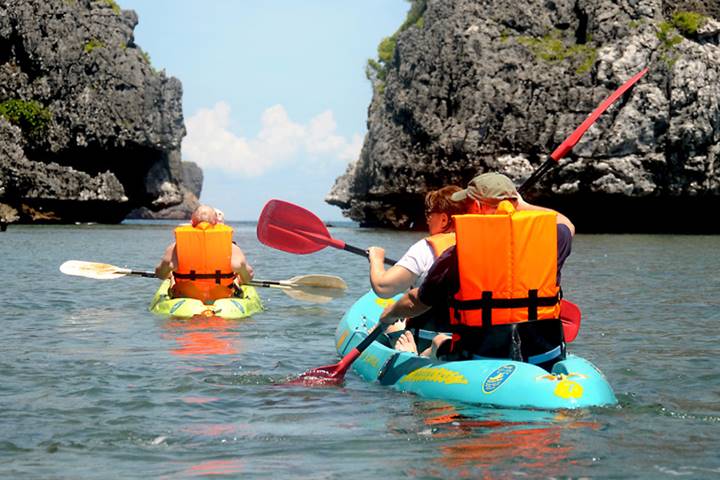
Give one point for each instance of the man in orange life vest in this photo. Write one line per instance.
(203, 260)
(500, 283)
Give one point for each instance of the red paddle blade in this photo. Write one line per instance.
(329, 374)
(291, 228)
(570, 315)
(574, 138)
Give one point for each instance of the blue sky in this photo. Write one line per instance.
(274, 91)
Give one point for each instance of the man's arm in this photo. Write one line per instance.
(561, 219)
(240, 265)
(167, 262)
(408, 306)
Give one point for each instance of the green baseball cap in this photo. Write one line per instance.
(488, 186)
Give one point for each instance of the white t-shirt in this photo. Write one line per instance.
(418, 260)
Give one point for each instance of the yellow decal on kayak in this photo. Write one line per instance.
(342, 339)
(568, 389)
(371, 360)
(384, 302)
(561, 376)
(436, 375)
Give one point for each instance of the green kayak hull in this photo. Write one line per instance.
(230, 308)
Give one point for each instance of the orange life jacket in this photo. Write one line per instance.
(204, 269)
(507, 263)
(440, 242)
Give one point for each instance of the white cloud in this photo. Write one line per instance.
(280, 141)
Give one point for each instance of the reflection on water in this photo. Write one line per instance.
(480, 442)
(214, 467)
(203, 336)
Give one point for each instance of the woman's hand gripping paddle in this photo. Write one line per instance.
(313, 288)
(288, 227)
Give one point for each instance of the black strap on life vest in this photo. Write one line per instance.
(193, 275)
(486, 304)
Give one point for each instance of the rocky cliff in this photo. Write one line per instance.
(89, 130)
(474, 85)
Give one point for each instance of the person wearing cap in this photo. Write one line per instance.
(204, 262)
(500, 283)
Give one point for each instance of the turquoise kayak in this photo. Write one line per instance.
(573, 383)
(229, 308)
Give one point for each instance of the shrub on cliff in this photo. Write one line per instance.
(29, 115)
(377, 69)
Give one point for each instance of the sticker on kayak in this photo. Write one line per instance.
(384, 302)
(497, 378)
(435, 375)
(239, 306)
(177, 305)
(342, 339)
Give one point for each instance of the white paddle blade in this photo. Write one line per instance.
(318, 281)
(99, 271)
(305, 296)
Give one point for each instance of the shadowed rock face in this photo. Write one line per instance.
(498, 84)
(91, 130)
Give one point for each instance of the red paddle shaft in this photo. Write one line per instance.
(565, 147)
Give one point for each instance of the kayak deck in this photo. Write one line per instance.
(573, 382)
(229, 308)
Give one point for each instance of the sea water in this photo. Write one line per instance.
(94, 386)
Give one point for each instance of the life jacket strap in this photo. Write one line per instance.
(486, 304)
(193, 275)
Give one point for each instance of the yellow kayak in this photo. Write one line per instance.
(230, 308)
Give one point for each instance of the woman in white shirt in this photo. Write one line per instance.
(412, 267)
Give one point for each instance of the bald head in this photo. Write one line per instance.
(204, 213)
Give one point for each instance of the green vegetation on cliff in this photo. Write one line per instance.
(92, 44)
(110, 3)
(554, 48)
(30, 116)
(671, 33)
(376, 70)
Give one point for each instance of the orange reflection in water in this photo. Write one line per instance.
(215, 467)
(497, 442)
(204, 336)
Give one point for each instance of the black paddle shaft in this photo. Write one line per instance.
(537, 175)
(140, 273)
(364, 253)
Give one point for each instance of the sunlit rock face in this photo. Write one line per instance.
(498, 84)
(90, 130)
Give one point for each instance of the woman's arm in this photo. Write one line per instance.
(387, 283)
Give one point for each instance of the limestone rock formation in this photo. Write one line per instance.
(89, 129)
(191, 187)
(497, 84)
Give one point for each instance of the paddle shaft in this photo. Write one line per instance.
(365, 253)
(348, 359)
(140, 273)
(566, 146)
